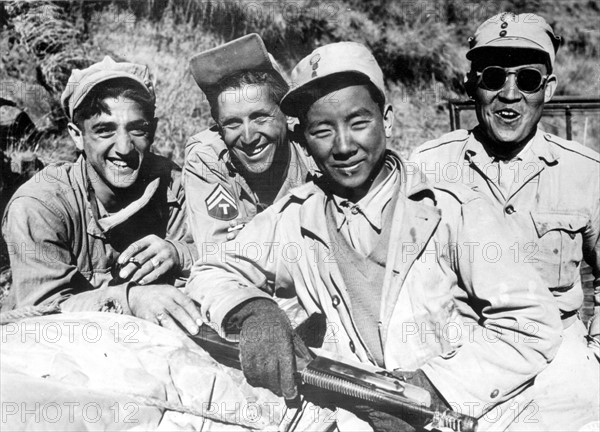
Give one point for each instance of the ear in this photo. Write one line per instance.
(388, 120)
(470, 84)
(76, 135)
(551, 84)
(153, 126)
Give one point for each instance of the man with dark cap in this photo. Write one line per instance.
(108, 232)
(245, 162)
(544, 188)
(383, 257)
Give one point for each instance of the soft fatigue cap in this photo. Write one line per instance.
(247, 53)
(507, 30)
(327, 62)
(82, 81)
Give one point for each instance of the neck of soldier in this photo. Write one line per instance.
(506, 150)
(267, 184)
(114, 199)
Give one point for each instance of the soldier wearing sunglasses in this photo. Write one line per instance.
(546, 187)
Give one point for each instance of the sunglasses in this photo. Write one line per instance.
(528, 80)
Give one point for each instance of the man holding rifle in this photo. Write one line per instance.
(404, 273)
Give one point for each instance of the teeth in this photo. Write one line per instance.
(119, 163)
(509, 114)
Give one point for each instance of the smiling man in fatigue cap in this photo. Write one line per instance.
(379, 258)
(543, 187)
(108, 232)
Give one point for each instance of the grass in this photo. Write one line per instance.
(419, 45)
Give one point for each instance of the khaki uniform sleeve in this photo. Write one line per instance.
(201, 175)
(178, 229)
(512, 324)
(237, 271)
(42, 268)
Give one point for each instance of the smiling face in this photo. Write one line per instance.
(115, 143)
(252, 126)
(345, 133)
(508, 117)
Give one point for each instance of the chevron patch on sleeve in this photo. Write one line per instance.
(221, 204)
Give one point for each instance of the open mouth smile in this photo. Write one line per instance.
(120, 163)
(507, 115)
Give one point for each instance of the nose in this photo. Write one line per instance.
(510, 91)
(249, 135)
(344, 146)
(124, 144)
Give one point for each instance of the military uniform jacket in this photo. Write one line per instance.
(59, 252)
(554, 202)
(218, 194)
(479, 326)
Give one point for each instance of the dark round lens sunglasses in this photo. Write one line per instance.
(528, 80)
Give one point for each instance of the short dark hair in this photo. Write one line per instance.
(323, 87)
(93, 104)
(276, 85)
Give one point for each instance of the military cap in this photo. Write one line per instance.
(507, 30)
(328, 62)
(247, 53)
(82, 81)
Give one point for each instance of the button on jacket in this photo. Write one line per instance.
(58, 252)
(554, 201)
(210, 178)
(460, 315)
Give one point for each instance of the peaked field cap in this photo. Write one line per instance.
(507, 30)
(82, 81)
(327, 62)
(247, 53)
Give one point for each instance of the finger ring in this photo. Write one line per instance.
(155, 262)
(134, 262)
(160, 317)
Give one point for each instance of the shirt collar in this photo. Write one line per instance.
(371, 206)
(536, 148)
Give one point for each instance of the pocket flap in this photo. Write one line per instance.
(546, 221)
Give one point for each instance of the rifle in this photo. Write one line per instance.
(346, 379)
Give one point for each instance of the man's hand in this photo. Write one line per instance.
(147, 259)
(594, 335)
(267, 347)
(235, 227)
(166, 306)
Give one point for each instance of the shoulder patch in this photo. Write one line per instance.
(221, 204)
(457, 135)
(573, 146)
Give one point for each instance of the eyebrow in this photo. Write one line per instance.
(362, 111)
(104, 125)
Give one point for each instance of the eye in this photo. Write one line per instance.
(261, 119)
(232, 125)
(104, 132)
(321, 133)
(140, 130)
(360, 124)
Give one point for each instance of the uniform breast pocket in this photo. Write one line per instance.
(559, 246)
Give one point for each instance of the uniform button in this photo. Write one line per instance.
(509, 209)
(494, 393)
(352, 347)
(354, 210)
(335, 301)
(207, 316)
(503, 33)
(504, 25)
